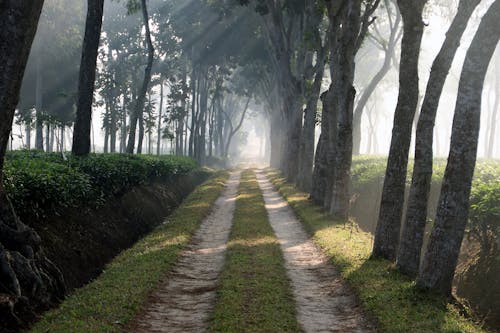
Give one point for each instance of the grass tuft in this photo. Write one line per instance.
(115, 297)
(388, 296)
(255, 293)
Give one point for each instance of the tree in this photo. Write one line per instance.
(412, 236)
(139, 104)
(24, 271)
(438, 267)
(388, 47)
(391, 207)
(81, 132)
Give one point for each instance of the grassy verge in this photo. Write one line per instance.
(255, 293)
(389, 297)
(115, 297)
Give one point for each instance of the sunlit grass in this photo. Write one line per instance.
(387, 296)
(115, 297)
(255, 293)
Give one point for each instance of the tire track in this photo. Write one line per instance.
(324, 302)
(184, 301)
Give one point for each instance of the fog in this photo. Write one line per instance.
(56, 51)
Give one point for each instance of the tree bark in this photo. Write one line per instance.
(27, 278)
(416, 216)
(306, 157)
(39, 107)
(160, 115)
(83, 122)
(438, 267)
(494, 116)
(137, 114)
(345, 102)
(391, 207)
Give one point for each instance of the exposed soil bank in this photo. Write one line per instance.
(82, 241)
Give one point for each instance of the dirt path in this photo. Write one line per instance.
(185, 299)
(324, 303)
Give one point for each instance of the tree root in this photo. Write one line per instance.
(29, 282)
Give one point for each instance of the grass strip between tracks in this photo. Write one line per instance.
(254, 294)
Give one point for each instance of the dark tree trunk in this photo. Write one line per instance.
(391, 207)
(52, 138)
(123, 135)
(345, 89)
(47, 137)
(27, 131)
(320, 171)
(416, 216)
(160, 114)
(438, 267)
(83, 122)
(39, 107)
(138, 111)
(113, 126)
(201, 151)
(306, 156)
(27, 279)
(192, 133)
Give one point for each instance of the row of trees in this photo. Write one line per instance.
(208, 63)
(192, 55)
(346, 25)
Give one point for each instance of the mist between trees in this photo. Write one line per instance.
(299, 85)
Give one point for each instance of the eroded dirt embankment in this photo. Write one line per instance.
(81, 241)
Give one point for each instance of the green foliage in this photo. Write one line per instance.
(484, 213)
(108, 303)
(37, 186)
(40, 183)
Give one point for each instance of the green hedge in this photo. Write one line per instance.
(40, 184)
(484, 211)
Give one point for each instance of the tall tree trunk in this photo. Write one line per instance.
(63, 133)
(438, 267)
(416, 216)
(320, 171)
(343, 151)
(27, 278)
(391, 207)
(83, 123)
(138, 111)
(47, 137)
(27, 130)
(306, 156)
(192, 133)
(39, 106)
(201, 151)
(160, 114)
(52, 138)
(494, 116)
(123, 136)
(113, 126)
